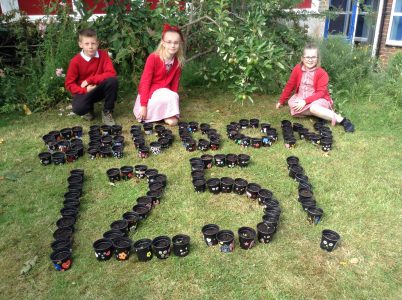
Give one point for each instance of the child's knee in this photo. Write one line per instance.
(111, 82)
(314, 109)
(171, 121)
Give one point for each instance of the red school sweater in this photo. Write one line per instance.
(94, 71)
(320, 83)
(155, 76)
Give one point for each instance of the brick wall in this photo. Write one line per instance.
(385, 51)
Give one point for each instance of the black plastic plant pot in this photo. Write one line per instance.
(305, 195)
(118, 140)
(117, 151)
(256, 142)
(207, 160)
(106, 129)
(243, 160)
(79, 172)
(105, 151)
(305, 185)
(135, 128)
(75, 179)
(273, 211)
(199, 185)
(121, 225)
(143, 249)
(112, 234)
(292, 160)
(297, 127)
(203, 145)
(66, 222)
(77, 132)
(252, 190)
(48, 138)
(103, 249)
(60, 244)
(113, 174)
(227, 184)
(204, 127)
(64, 234)
(127, 172)
(164, 142)
(270, 203)
(159, 129)
(265, 127)
(286, 123)
(271, 221)
(226, 241)
(143, 152)
(314, 215)
(132, 220)
(197, 167)
(161, 246)
(75, 187)
(246, 237)
(290, 142)
(56, 134)
(141, 210)
(198, 174)
(239, 186)
(244, 123)
(181, 245)
(93, 152)
(116, 129)
(214, 185)
(79, 149)
(265, 233)
(71, 203)
(150, 174)
(326, 144)
(245, 141)
(139, 142)
(295, 169)
(264, 195)
(145, 200)
(308, 204)
(315, 139)
(156, 197)
(63, 145)
(300, 177)
(231, 160)
(155, 147)
(190, 145)
(140, 171)
(122, 248)
(61, 259)
(329, 240)
(148, 128)
(209, 232)
(71, 155)
(72, 196)
(69, 212)
(58, 158)
(220, 160)
(302, 133)
(66, 133)
(254, 123)
(156, 187)
(45, 158)
(107, 140)
(161, 178)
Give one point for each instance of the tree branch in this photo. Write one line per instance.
(200, 54)
(199, 20)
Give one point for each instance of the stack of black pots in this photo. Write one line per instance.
(164, 135)
(63, 235)
(306, 196)
(270, 134)
(190, 144)
(288, 135)
(323, 138)
(105, 141)
(64, 145)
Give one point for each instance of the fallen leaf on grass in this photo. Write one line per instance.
(112, 184)
(11, 177)
(1, 177)
(29, 265)
(354, 261)
(28, 170)
(218, 111)
(69, 107)
(1, 141)
(26, 109)
(343, 263)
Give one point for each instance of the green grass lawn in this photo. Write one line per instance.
(358, 185)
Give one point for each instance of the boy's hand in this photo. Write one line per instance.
(278, 105)
(90, 87)
(143, 113)
(84, 84)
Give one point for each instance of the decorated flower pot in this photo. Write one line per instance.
(113, 174)
(121, 225)
(156, 196)
(192, 126)
(290, 142)
(71, 155)
(112, 234)
(143, 249)
(254, 123)
(61, 259)
(45, 158)
(58, 158)
(139, 142)
(231, 160)
(107, 140)
(220, 160)
(105, 151)
(245, 141)
(256, 142)
(56, 135)
(244, 123)
(150, 174)
(122, 248)
(116, 129)
(140, 171)
(270, 203)
(145, 200)
(103, 249)
(326, 144)
(181, 245)
(148, 128)
(155, 148)
(239, 186)
(252, 190)
(117, 151)
(215, 144)
(77, 132)
(204, 127)
(93, 152)
(265, 127)
(302, 133)
(314, 215)
(199, 185)
(263, 196)
(214, 185)
(246, 237)
(106, 129)
(190, 145)
(207, 160)
(132, 220)
(243, 160)
(143, 152)
(225, 241)
(161, 246)
(209, 232)
(329, 240)
(203, 145)
(265, 233)
(227, 184)
(271, 220)
(141, 210)
(66, 133)
(315, 139)
(127, 172)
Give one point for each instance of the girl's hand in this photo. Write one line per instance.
(278, 105)
(90, 87)
(299, 105)
(143, 113)
(84, 84)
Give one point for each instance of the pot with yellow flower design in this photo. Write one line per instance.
(122, 248)
(143, 248)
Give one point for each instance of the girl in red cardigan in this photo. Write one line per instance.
(311, 97)
(157, 93)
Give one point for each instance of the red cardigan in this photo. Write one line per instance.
(155, 76)
(320, 82)
(94, 71)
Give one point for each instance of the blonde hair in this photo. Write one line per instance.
(160, 51)
(311, 46)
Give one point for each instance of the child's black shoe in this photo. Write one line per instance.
(347, 125)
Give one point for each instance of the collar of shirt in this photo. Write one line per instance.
(88, 58)
(304, 69)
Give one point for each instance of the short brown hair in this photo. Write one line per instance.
(87, 32)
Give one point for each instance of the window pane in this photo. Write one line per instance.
(338, 25)
(398, 6)
(361, 28)
(396, 31)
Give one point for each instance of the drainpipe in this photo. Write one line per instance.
(382, 8)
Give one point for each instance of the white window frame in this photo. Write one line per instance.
(391, 21)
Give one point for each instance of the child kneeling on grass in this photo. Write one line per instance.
(91, 77)
(310, 82)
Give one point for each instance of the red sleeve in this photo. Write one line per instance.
(289, 87)
(174, 85)
(72, 78)
(106, 67)
(321, 87)
(146, 80)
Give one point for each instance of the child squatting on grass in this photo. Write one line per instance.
(157, 97)
(312, 96)
(91, 77)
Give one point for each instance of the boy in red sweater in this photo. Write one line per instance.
(91, 77)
